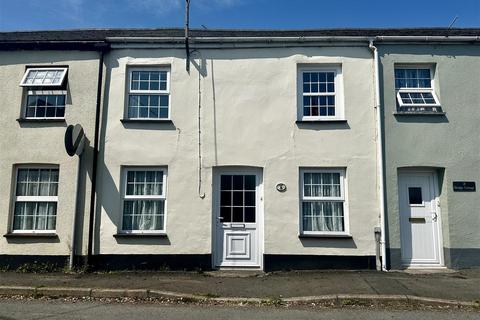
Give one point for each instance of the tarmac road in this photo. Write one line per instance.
(58, 309)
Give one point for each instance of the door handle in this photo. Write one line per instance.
(220, 218)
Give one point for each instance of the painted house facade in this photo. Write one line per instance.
(255, 149)
(432, 153)
(45, 89)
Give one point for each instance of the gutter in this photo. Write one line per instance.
(52, 45)
(380, 155)
(298, 39)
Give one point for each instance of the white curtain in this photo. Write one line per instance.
(143, 215)
(322, 216)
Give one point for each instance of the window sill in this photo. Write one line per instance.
(419, 113)
(31, 235)
(40, 120)
(322, 121)
(140, 235)
(146, 121)
(325, 235)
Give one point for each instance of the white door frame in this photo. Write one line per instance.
(436, 196)
(216, 173)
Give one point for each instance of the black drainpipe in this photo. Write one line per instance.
(95, 157)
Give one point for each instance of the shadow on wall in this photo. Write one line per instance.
(255, 53)
(348, 243)
(81, 215)
(145, 125)
(26, 240)
(421, 118)
(108, 194)
(318, 126)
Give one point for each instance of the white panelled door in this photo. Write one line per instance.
(237, 214)
(419, 220)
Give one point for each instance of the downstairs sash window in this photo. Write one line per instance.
(36, 198)
(144, 201)
(323, 202)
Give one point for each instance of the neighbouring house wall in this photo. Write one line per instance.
(43, 143)
(450, 144)
(248, 114)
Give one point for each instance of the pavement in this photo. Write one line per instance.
(55, 309)
(447, 287)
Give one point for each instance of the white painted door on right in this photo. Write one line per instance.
(419, 220)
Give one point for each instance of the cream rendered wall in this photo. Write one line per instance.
(248, 114)
(42, 143)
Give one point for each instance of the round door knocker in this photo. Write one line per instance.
(281, 187)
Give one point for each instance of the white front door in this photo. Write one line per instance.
(237, 214)
(419, 220)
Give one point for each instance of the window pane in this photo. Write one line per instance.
(149, 80)
(250, 214)
(250, 183)
(163, 113)
(226, 182)
(143, 112)
(250, 198)
(322, 216)
(225, 198)
(60, 113)
(415, 195)
(237, 182)
(237, 198)
(154, 85)
(143, 215)
(226, 214)
(34, 216)
(322, 184)
(306, 88)
(144, 182)
(133, 112)
(144, 85)
(412, 78)
(306, 77)
(50, 113)
(143, 101)
(238, 205)
(331, 87)
(237, 214)
(36, 106)
(424, 73)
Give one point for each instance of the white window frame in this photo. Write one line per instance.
(338, 92)
(125, 170)
(416, 90)
(63, 69)
(132, 69)
(343, 198)
(16, 198)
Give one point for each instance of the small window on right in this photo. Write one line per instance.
(415, 90)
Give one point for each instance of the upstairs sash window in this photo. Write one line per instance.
(415, 91)
(148, 94)
(45, 93)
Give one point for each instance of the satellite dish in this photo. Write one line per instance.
(74, 139)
